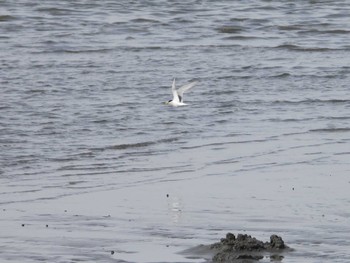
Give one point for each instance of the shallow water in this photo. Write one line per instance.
(89, 153)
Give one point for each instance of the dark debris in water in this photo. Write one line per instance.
(245, 248)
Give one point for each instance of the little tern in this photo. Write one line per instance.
(178, 98)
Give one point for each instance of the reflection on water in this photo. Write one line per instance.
(175, 209)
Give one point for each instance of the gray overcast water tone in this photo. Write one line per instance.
(95, 168)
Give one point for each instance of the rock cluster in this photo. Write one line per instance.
(245, 248)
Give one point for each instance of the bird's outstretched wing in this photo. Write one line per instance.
(175, 93)
(184, 88)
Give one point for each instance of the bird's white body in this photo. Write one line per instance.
(178, 94)
(176, 104)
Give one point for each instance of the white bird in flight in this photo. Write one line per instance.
(178, 98)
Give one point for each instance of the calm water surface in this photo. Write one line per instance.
(88, 152)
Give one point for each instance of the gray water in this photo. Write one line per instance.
(92, 161)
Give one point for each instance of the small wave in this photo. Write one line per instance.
(335, 117)
(289, 119)
(215, 144)
(222, 144)
(292, 47)
(240, 37)
(4, 107)
(309, 101)
(57, 11)
(102, 121)
(236, 77)
(281, 75)
(239, 19)
(331, 32)
(144, 48)
(4, 18)
(103, 50)
(181, 20)
(320, 74)
(36, 91)
(135, 145)
(145, 20)
(117, 23)
(342, 153)
(221, 92)
(229, 29)
(331, 130)
(290, 27)
(71, 51)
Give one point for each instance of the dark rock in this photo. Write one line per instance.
(276, 242)
(252, 257)
(276, 258)
(246, 249)
(230, 236)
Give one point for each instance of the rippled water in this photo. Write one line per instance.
(89, 153)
